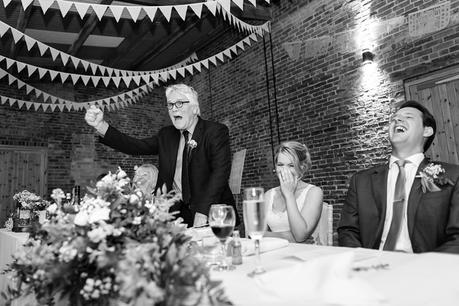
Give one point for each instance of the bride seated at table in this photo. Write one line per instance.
(145, 179)
(294, 207)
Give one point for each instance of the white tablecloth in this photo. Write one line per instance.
(409, 279)
(9, 243)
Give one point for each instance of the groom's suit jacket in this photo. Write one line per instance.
(209, 163)
(433, 217)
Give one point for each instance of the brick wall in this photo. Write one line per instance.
(326, 97)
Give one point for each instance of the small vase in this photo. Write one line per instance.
(23, 220)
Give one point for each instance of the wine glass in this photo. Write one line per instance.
(222, 219)
(255, 221)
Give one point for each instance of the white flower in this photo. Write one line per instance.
(192, 143)
(121, 174)
(99, 214)
(67, 252)
(52, 209)
(81, 218)
(137, 220)
(98, 234)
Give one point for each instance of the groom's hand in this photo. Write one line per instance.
(95, 118)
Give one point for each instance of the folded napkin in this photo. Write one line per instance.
(266, 244)
(198, 234)
(323, 281)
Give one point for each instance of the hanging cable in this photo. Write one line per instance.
(269, 101)
(210, 95)
(275, 88)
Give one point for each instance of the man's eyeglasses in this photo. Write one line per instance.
(178, 104)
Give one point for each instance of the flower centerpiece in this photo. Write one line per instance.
(119, 249)
(28, 205)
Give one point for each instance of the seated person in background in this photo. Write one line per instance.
(294, 208)
(390, 207)
(145, 179)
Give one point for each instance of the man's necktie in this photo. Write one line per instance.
(398, 208)
(185, 179)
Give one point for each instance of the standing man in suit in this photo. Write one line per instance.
(194, 154)
(401, 206)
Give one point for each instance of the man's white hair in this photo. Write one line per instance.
(185, 90)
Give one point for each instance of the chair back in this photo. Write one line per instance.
(237, 166)
(323, 234)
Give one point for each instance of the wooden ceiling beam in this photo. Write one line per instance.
(85, 31)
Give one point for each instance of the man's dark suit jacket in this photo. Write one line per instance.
(209, 162)
(433, 217)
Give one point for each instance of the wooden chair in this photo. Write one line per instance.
(323, 234)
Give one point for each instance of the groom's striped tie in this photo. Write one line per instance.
(398, 208)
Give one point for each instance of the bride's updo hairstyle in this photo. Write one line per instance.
(298, 153)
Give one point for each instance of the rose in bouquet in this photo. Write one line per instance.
(29, 200)
(119, 249)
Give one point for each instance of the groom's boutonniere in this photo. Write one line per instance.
(192, 144)
(432, 176)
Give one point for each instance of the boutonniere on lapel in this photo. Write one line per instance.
(191, 144)
(432, 177)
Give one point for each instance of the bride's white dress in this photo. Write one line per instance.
(277, 219)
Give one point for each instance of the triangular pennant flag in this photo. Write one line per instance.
(117, 10)
(213, 60)
(155, 78)
(197, 66)
(150, 11)
(93, 68)
(110, 71)
(102, 69)
(28, 89)
(212, 6)
(45, 97)
(20, 66)
(205, 63)
(233, 49)
(85, 64)
(240, 45)
(64, 7)
(166, 10)
(64, 76)
(254, 2)
(239, 3)
(197, 9)
(225, 4)
(2, 73)
(145, 78)
(247, 41)
(64, 58)
(12, 101)
(95, 80)
(173, 74)
(30, 69)
(11, 79)
(3, 28)
(116, 80)
(75, 78)
(136, 79)
(164, 76)
(41, 72)
(9, 63)
(45, 5)
(129, 93)
(20, 103)
(85, 79)
(26, 3)
(75, 61)
(134, 11)
(99, 10)
(189, 68)
(181, 71)
(36, 106)
(220, 57)
(16, 35)
(6, 2)
(227, 52)
(20, 84)
(81, 8)
(53, 99)
(106, 80)
(53, 107)
(3, 99)
(30, 42)
(127, 80)
(181, 10)
(28, 105)
(54, 53)
(61, 107)
(42, 47)
(53, 74)
(45, 106)
(253, 36)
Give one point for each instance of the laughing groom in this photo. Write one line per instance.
(194, 154)
(410, 204)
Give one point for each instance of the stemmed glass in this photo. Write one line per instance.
(222, 220)
(255, 221)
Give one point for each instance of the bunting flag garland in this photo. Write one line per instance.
(114, 102)
(17, 36)
(134, 12)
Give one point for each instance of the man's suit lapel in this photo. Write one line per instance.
(198, 134)
(415, 198)
(174, 145)
(379, 183)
